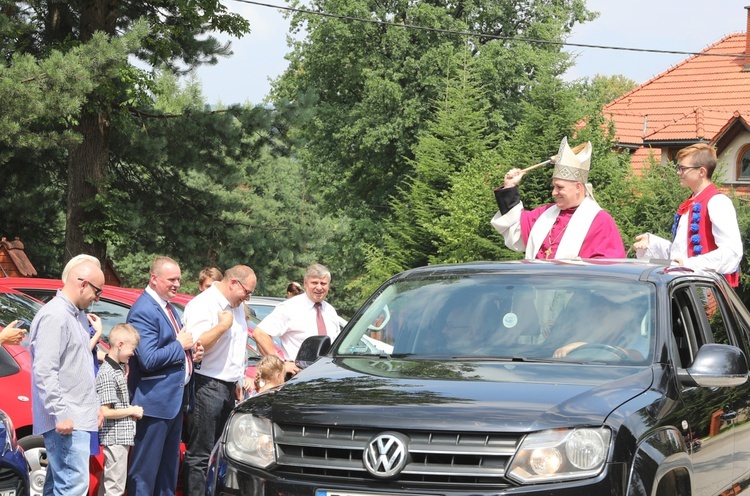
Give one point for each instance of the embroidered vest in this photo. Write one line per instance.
(700, 229)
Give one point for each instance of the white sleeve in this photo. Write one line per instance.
(276, 323)
(657, 248)
(198, 319)
(509, 225)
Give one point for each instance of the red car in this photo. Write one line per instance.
(15, 384)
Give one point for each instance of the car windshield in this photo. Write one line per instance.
(515, 317)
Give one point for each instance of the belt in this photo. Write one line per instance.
(211, 379)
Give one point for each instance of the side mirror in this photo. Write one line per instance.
(717, 365)
(312, 348)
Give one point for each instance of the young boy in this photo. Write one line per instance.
(117, 433)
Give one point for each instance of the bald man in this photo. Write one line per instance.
(63, 386)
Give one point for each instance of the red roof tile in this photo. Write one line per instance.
(691, 101)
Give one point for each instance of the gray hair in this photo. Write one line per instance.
(318, 270)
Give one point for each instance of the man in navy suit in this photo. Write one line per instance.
(160, 373)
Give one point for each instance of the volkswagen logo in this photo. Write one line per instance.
(386, 455)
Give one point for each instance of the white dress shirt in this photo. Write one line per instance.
(225, 360)
(294, 320)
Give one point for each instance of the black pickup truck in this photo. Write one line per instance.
(511, 378)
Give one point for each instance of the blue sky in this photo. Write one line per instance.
(682, 25)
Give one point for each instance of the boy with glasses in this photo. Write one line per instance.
(705, 233)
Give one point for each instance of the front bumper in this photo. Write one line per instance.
(229, 478)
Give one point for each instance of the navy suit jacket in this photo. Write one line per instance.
(157, 370)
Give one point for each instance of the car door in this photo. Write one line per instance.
(707, 423)
(737, 323)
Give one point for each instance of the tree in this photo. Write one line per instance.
(373, 87)
(374, 84)
(604, 89)
(176, 34)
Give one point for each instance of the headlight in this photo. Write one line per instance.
(249, 439)
(560, 455)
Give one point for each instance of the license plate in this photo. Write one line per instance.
(324, 492)
(7, 492)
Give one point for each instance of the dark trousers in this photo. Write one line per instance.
(214, 400)
(155, 457)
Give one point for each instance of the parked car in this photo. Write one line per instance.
(263, 305)
(14, 476)
(15, 387)
(554, 377)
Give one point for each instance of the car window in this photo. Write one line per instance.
(742, 321)
(506, 317)
(17, 306)
(111, 313)
(714, 308)
(686, 335)
(261, 311)
(43, 295)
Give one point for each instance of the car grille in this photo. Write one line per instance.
(9, 479)
(436, 457)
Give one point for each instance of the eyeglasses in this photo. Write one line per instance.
(97, 289)
(681, 169)
(248, 294)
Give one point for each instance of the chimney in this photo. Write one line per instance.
(747, 41)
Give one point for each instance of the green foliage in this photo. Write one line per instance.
(373, 89)
(656, 195)
(211, 188)
(68, 80)
(742, 206)
(604, 89)
(374, 83)
(44, 96)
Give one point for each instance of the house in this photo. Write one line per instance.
(15, 263)
(13, 260)
(703, 99)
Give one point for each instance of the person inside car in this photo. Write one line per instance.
(617, 327)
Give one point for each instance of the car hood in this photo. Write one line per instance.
(506, 396)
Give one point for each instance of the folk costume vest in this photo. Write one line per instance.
(700, 229)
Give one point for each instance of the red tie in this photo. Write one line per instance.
(188, 358)
(319, 319)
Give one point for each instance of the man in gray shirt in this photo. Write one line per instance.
(63, 386)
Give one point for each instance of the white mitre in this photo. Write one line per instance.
(572, 166)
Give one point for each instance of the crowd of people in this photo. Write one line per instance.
(161, 369)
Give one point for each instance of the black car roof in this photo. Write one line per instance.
(622, 268)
